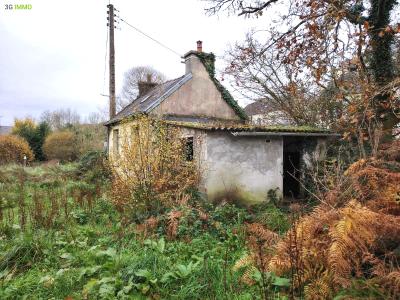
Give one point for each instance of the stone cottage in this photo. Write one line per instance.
(235, 156)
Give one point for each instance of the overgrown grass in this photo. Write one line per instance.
(93, 254)
(74, 244)
(102, 259)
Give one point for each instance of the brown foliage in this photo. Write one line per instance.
(148, 227)
(61, 145)
(13, 149)
(151, 173)
(261, 242)
(339, 50)
(340, 240)
(390, 151)
(355, 239)
(173, 223)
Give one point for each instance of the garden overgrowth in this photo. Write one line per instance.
(74, 243)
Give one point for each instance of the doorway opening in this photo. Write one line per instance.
(291, 168)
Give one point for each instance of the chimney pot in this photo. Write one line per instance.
(145, 86)
(199, 46)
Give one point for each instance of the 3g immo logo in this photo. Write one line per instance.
(18, 6)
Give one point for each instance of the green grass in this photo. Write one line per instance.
(91, 255)
(94, 260)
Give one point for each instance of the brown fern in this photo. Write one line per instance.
(173, 223)
(343, 239)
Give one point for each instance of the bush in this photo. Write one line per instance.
(61, 145)
(89, 137)
(93, 167)
(13, 149)
(151, 172)
(34, 134)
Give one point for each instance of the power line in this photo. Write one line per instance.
(148, 36)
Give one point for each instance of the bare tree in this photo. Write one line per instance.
(132, 77)
(95, 118)
(61, 118)
(256, 74)
(321, 41)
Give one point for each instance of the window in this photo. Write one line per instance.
(188, 148)
(116, 141)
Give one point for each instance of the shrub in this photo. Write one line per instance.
(89, 137)
(61, 145)
(34, 134)
(93, 166)
(151, 172)
(13, 149)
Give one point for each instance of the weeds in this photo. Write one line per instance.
(61, 237)
(43, 198)
(74, 246)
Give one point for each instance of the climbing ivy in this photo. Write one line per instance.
(208, 60)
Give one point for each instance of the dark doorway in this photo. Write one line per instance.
(291, 174)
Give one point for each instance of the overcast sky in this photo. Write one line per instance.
(53, 56)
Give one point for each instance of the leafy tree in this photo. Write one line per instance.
(13, 149)
(42, 130)
(34, 134)
(89, 137)
(24, 127)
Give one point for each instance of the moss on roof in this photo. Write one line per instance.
(247, 127)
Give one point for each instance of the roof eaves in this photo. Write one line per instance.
(284, 133)
(255, 130)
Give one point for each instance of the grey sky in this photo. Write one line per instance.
(52, 56)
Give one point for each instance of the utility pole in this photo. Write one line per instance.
(111, 60)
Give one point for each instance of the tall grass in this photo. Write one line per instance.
(43, 197)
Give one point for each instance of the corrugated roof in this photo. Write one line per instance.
(151, 99)
(250, 128)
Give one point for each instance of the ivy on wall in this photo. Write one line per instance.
(208, 60)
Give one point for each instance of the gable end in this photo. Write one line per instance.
(208, 60)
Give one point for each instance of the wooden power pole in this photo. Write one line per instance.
(111, 61)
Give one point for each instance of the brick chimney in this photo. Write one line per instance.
(194, 60)
(199, 46)
(145, 86)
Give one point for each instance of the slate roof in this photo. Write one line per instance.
(151, 99)
(4, 130)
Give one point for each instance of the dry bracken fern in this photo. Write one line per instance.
(319, 289)
(346, 239)
(173, 223)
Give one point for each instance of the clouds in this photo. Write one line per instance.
(52, 56)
